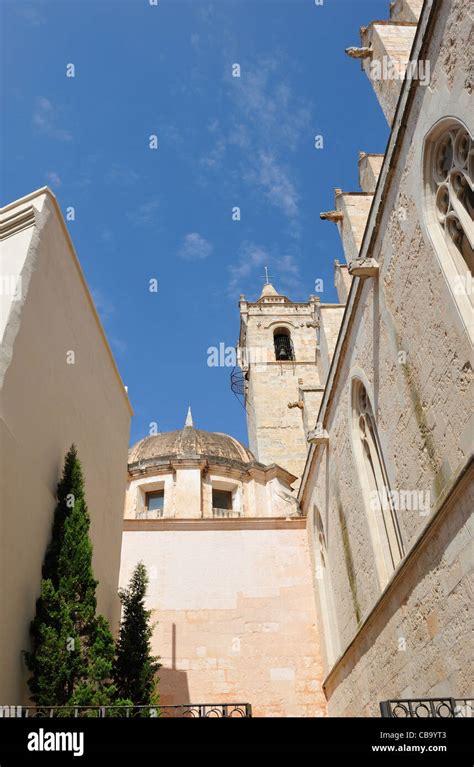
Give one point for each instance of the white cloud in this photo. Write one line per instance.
(105, 307)
(32, 15)
(213, 125)
(107, 237)
(45, 121)
(248, 275)
(53, 178)
(195, 42)
(251, 262)
(273, 180)
(195, 247)
(266, 122)
(280, 118)
(121, 176)
(145, 214)
(216, 155)
(118, 346)
(288, 274)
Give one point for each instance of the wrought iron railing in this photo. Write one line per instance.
(236, 710)
(442, 708)
(192, 710)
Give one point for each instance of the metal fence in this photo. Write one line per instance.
(186, 710)
(423, 708)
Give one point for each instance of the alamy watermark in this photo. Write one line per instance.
(42, 740)
(401, 500)
(387, 68)
(229, 357)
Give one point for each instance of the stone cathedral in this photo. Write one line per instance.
(327, 567)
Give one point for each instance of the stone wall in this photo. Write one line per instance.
(276, 432)
(235, 611)
(407, 340)
(418, 641)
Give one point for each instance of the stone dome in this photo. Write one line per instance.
(189, 443)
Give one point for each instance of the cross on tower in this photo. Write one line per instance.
(267, 281)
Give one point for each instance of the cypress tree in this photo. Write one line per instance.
(135, 668)
(72, 648)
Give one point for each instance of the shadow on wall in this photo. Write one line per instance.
(173, 687)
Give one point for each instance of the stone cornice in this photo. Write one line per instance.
(167, 464)
(209, 523)
(255, 309)
(13, 220)
(284, 363)
(388, 23)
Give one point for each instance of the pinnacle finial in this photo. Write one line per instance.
(189, 418)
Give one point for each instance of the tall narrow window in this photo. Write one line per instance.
(449, 201)
(383, 523)
(283, 345)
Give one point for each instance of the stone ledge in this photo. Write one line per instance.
(208, 523)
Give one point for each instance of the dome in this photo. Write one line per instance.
(190, 443)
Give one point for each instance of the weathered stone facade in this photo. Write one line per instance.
(380, 386)
(275, 389)
(416, 641)
(400, 631)
(329, 566)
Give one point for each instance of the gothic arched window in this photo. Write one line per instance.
(379, 500)
(283, 345)
(449, 200)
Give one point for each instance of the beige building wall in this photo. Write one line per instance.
(406, 336)
(235, 611)
(46, 405)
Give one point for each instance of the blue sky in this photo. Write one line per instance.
(223, 141)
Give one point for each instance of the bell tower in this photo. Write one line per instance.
(278, 357)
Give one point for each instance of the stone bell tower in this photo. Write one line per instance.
(278, 356)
